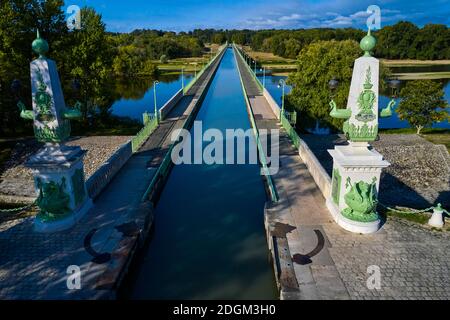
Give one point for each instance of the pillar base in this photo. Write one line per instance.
(64, 223)
(350, 225)
(59, 181)
(354, 188)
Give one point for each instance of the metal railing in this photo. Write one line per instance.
(150, 124)
(252, 72)
(288, 119)
(293, 135)
(262, 157)
(291, 116)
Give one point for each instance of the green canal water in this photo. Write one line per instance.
(209, 240)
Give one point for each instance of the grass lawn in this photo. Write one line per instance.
(174, 66)
(278, 65)
(422, 75)
(8, 216)
(419, 218)
(409, 63)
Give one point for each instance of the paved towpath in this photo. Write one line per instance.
(331, 263)
(34, 265)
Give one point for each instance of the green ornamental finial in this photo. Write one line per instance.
(367, 44)
(40, 46)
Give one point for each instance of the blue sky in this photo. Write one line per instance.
(185, 15)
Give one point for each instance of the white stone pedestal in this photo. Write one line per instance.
(353, 164)
(60, 186)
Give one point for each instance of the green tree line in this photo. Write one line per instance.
(403, 40)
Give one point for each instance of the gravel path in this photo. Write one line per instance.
(419, 174)
(16, 179)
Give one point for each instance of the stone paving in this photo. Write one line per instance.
(414, 262)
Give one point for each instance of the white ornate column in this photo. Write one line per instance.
(356, 166)
(58, 169)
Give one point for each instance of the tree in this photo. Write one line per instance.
(317, 64)
(18, 24)
(239, 38)
(219, 38)
(91, 61)
(422, 104)
(396, 42)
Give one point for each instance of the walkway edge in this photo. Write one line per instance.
(278, 246)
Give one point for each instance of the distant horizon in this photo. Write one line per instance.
(273, 29)
(186, 16)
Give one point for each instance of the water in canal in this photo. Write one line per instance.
(209, 238)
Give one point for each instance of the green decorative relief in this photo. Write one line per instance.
(366, 100)
(43, 100)
(78, 186)
(24, 113)
(53, 201)
(361, 200)
(339, 113)
(362, 133)
(55, 135)
(336, 186)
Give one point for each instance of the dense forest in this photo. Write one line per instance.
(102, 61)
(404, 40)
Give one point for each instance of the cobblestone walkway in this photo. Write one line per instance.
(331, 263)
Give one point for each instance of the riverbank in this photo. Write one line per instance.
(189, 65)
(276, 65)
(409, 62)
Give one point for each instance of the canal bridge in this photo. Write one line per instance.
(211, 231)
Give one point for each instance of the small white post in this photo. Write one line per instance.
(437, 218)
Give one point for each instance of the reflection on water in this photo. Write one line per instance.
(136, 96)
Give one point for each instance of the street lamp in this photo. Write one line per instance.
(333, 84)
(254, 61)
(182, 78)
(281, 85)
(154, 98)
(15, 88)
(263, 69)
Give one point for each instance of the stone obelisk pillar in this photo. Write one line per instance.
(356, 166)
(57, 168)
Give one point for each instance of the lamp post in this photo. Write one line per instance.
(281, 85)
(263, 69)
(154, 98)
(182, 78)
